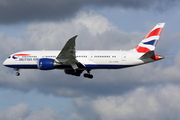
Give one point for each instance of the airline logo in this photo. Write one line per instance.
(15, 56)
(149, 42)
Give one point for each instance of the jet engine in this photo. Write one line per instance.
(46, 64)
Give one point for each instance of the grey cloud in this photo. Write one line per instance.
(44, 10)
(22, 11)
(14, 112)
(21, 111)
(6, 44)
(157, 102)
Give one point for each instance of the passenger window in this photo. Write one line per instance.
(9, 57)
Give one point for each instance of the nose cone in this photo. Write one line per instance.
(5, 63)
(8, 63)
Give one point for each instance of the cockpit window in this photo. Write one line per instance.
(9, 57)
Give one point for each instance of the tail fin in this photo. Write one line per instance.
(149, 42)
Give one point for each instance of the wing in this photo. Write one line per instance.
(67, 56)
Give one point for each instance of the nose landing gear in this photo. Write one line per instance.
(17, 71)
(17, 74)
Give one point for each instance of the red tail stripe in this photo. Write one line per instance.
(155, 32)
(142, 49)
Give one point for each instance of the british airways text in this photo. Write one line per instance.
(28, 59)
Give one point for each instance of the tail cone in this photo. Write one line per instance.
(157, 57)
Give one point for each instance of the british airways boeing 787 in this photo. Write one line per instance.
(74, 62)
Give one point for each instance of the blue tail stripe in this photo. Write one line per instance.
(152, 42)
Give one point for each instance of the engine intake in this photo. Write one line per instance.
(45, 64)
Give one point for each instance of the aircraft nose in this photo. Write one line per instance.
(5, 63)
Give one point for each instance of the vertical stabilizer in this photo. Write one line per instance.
(149, 42)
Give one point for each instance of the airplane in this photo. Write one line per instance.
(74, 62)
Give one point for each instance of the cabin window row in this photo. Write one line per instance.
(102, 56)
(84, 56)
(98, 56)
(50, 56)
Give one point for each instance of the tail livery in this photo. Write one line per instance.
(149, 42)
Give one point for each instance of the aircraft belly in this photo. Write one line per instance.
(23, 66)
(106, 66)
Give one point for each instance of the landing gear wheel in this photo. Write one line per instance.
(87, 75)
(17, 74)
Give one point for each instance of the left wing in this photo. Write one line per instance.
(67, 56)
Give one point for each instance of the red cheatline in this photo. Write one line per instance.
(21, 54)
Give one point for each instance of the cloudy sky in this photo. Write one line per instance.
(149, 91)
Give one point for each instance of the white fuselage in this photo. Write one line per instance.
(89, 59)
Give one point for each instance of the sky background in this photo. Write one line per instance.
(148, 92)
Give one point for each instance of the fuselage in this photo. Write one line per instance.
(89, 59)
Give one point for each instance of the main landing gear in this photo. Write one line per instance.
(17, 71)
(88, 75)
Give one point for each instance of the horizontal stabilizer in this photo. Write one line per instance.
(147, 55)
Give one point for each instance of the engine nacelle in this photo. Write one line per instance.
(45, 64)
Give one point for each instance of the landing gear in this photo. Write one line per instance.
(17, 74)
(17, 71)
(88, 75)
(78, 73)
(73, 72)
